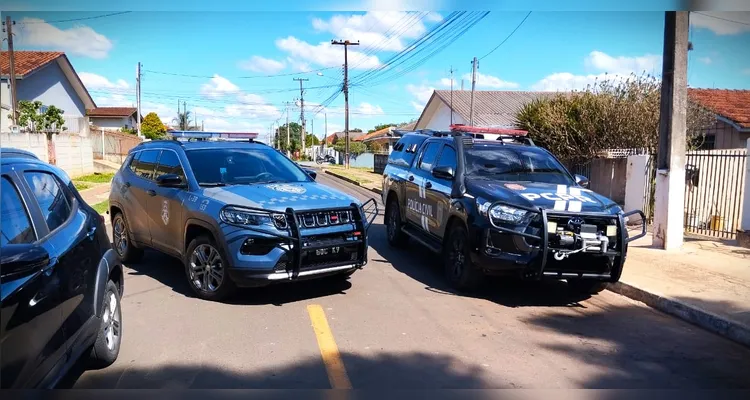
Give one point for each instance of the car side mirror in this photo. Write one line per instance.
(311, 172)
(170, 180)
(582, 181)
(443, 172)
(23, 259)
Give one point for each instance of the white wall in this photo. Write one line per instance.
(32, 142)
(74, 154)
(4, 99)
(110, 123)
(441, 119)
(635, 183)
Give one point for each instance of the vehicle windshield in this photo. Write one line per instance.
(514, 164)
(224, 166)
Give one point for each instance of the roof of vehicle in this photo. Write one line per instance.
(10, 155)
(201, 144)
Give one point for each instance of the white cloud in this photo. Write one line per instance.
(386, 31)
(488, 81)
(605, 66)
(325, 54)
(721, 25)
(262, 65)
(240, 104)
(603, 62)
(218, 86)
(94, 81)
(421, 92)
(705, 60)
(115, 100)
(417, 106)
(367, 109)
(298, 66)
(78, 40)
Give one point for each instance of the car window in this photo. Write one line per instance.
(134, 162)
(52, 199)
(16, 224)
(428, 156)
(447, 158)
(515, 164)
(238, 166)
(147, 163)
(169, 163)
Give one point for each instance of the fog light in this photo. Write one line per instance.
(611, 230)
(551, 227)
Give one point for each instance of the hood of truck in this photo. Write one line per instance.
(541, 195)
(300, 196)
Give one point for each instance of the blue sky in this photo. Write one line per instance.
(229, 55)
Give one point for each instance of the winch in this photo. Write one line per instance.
(578, 237)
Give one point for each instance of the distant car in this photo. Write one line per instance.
(60, 281)
(501, 207)
(236, 214)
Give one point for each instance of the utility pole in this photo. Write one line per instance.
(452, 70)
(670, 162)
(462, 84)
(288, 143)
(325, 134)
(302, 109)
(473, 85)
(138, 97)
(12, 75)
(346, 44)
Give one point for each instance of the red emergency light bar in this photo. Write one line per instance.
(496, 131)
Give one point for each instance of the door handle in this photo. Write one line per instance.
(428, 185)
(411, 178)
(151, 192)
(127, 184)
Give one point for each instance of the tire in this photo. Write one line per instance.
(458, 268)
(217, 285)
(393, 233)
(106, 348)
(122, 240)
(586, 286)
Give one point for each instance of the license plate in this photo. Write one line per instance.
(325, 252)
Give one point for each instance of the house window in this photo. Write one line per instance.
(709, 143)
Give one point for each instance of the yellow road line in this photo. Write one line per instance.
(328, 349)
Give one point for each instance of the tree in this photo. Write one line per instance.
(33, 117)
(355, 148)
(152, 127)
(295, 136)
(610, 114)
(383, 126)
(311, 140)
(183, 121)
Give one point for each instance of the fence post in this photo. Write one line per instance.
(743, 234)
(636, 178)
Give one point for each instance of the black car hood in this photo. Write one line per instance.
(541, 195)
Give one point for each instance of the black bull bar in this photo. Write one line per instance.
(362, 217)
(544, 249)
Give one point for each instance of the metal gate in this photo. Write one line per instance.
(649, 190)
(713, 192)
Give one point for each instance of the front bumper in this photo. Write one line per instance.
(531, 253)
(296, 254)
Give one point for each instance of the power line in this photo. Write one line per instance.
(507, 37)
(723, 19)
(75, 19)
(238, 77)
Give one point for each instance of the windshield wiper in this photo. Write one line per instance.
(212, 184)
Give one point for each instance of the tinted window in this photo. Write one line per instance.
(515, 164)
(447, 158)
(52, 199)
(133, 162)
(16, 225)
(428, 156)
(405, 149)
(169, 163)
(147, 163)
(237, 166)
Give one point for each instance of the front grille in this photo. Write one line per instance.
(323, 218)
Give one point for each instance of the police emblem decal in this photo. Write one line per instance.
(165, 212)
(286, 188)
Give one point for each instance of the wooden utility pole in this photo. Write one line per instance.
(302, 109)
(346, 44)
(452, 70)
(473, 85)
(12, 74)
(325, 134)
(138, 97)
(670, 163)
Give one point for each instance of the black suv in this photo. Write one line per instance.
(494, 203)
(60, 280)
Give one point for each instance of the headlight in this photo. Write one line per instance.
(508, 215)
(241, 216)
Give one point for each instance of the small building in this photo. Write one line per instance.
(732, 107)
(48, 77)
(113, 118)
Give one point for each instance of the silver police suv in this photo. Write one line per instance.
(238, 214)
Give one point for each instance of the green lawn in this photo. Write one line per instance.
(82, 185)
(102, 207)
(97, 177)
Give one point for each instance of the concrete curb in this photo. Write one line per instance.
(720, 325)
(353, 182)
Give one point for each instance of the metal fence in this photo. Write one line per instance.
(649, 189)
(714, 192)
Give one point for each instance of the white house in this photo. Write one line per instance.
(113, 118)
(49, 77)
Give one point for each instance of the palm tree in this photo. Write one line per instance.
(183, 121)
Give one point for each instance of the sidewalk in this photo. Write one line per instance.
(357, 176)
(96, 194)
(706, 283)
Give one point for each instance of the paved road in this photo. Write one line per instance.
(396, 324)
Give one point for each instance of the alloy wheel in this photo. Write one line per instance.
(120, 236)
(457, 256)
(111, 322)
(206, 268)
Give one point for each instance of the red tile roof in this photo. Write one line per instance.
(731, 104)
(111, 112)
(27, 61)
(331, 138)
(374, 134)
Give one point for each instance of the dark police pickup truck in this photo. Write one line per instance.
(493, 203)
